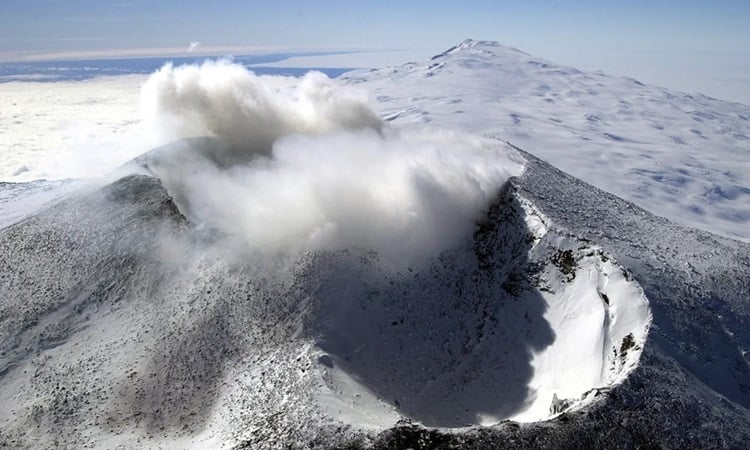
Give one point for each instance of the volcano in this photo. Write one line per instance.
(456, 292)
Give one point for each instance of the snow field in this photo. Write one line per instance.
(680, 156)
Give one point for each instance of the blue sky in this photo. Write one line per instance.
(86, 24)
(635, 37)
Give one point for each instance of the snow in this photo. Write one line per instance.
(166, 337)
(589, 330)
(20, 200)
(685, 157)
(355, 59)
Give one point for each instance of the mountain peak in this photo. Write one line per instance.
(474, 43)
(474, 46)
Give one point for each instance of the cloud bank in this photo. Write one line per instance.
(306, 164)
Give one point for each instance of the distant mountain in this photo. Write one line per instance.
(566, 317)
(685, 157)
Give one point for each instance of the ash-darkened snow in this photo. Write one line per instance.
(295, 272)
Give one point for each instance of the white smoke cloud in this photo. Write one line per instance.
(305, 164)
(248, 112)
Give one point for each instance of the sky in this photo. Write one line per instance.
(698, 46)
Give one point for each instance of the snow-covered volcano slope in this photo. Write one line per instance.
(122, 324)
(692, 386)
(682, 156)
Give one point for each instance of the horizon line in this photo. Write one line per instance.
(167, 52)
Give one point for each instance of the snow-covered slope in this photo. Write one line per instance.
(18, 200)
(124, 325)
(682, 156)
